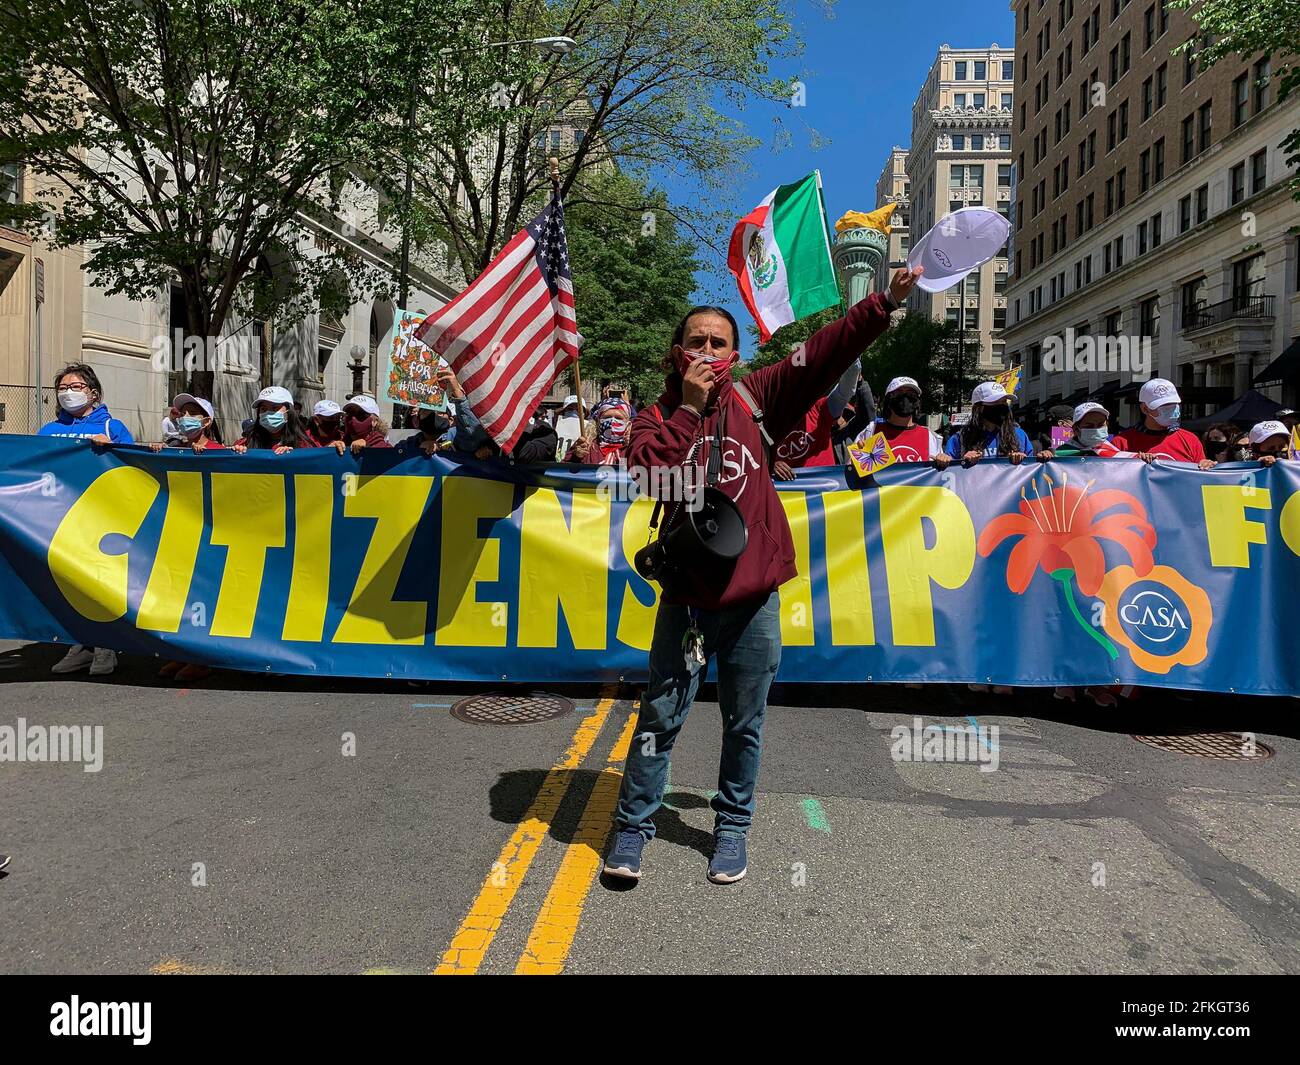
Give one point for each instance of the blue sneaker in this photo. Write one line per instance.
(624, 859)
(728, 862)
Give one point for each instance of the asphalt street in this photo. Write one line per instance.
(256, 824)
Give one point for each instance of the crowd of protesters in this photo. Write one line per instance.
(571, 433)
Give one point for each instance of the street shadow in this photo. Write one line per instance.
(513, 795)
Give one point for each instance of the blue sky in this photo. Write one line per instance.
(862, 70)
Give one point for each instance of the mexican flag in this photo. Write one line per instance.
(781, 256)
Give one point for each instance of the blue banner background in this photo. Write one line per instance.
(519, 579)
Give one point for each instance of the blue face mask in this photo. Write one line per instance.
(1168, 416)
(1093, 437)
(273, 420)
(190, 424)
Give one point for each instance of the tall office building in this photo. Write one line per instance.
(961, 157)
(1152, 205)
(893, 187)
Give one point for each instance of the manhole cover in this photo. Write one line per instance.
(1235, 745)
(502, 709)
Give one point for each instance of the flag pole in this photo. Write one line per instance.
(577, 377)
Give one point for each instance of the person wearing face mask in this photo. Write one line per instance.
(433, 428)
(1159, 435)
(362, 426)
(909, 441)
(82, 411)
(613, 418)
(1270, 441)
(84, 416)
(729, 610)
(325, 429)
(275, 424)
(1089, 435)
(991, 430)
(1224, 442)
(194, 425)
(809, 443)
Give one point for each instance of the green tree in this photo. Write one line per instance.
(643, 89)
(1249, 28)
(919, 347)
(192, 141)
(632, 280)
(784, 341)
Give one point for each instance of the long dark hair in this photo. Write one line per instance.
(680, 332)
(972, 433)
(293, 434)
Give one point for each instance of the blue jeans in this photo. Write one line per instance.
(747, 643)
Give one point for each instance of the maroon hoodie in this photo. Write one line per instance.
(785, 391)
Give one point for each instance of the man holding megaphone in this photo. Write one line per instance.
(721, 554)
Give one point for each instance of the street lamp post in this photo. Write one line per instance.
(560, 46)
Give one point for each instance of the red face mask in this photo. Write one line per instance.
(359, 426)
(684, 359)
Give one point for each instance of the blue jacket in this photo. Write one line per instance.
(955, 450)
(96, 422)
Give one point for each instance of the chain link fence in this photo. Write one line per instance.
(25, 408)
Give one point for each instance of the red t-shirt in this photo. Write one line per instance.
(915, 443)
(810, 443)
(1180, 444)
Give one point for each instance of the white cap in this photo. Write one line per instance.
(326, 408)
(902, 382)
(961, 243)
(274, 394)
(1159, 393)
(185, 397)
(1084, 409)
(570, 401)
(989, 392)
(1264, 430)
(363, 402)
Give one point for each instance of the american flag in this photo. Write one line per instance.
(514, 329)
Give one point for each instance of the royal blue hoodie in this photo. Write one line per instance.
(97, 422)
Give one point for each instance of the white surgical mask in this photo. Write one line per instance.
(1093, 437)
(1169, 416)
(72, 401)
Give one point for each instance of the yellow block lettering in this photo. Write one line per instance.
(309, 588)
(468, 561)
(95, 584)
(796, 594)
(847, 577)
(373, 616)
(1229, 532)
(910, 566)
(564, 565)
(1290, 522)
(163, 604)
(636, 621)
(248, 518)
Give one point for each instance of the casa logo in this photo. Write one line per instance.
(906, 453)
(1154, 616)
(942, 257)
(1161, 617)
(737, 464)
(795, 446)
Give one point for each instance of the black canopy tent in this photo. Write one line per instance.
(1284, 370)
(1246, 410)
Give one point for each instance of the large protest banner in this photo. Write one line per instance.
(1089, 571)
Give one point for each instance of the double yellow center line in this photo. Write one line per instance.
(557, 922)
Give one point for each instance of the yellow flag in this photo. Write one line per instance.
(878, 219)
(1295, 442)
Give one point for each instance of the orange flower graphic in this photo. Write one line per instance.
(1199, 619)
(1063, 531)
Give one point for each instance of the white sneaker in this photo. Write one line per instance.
(78, 657)
(105, 662)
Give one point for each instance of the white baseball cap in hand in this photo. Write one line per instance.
(960, 243)
(989, 392)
